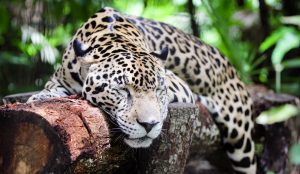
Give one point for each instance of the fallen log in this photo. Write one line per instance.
(47, 136)
(67, 135)
(206, 154)
(277, 138)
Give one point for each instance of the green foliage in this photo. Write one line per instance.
(284, 39)
(221, 23)
(277, 114)
(270, 172)
(295, 154)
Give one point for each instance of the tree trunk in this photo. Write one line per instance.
(194, 26)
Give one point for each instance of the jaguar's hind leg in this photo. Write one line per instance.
(235, 126)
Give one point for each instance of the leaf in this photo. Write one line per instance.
(289, 41)
(272, 39)
(295, 154)
(277, 114)
(292, 63)
(294, 20)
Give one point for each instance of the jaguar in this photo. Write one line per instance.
(132, 68)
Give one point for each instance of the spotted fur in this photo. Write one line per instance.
(113, 62)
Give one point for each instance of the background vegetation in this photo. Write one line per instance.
(260, 37)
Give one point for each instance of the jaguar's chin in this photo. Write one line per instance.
(142, 142)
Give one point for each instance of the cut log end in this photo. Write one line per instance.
(29, 144)
(47, 136)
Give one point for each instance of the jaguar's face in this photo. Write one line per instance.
(133, 93)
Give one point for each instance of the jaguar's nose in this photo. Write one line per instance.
(147, 125)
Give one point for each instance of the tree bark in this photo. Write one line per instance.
(194, 26)
(276, 138)
(264, 18)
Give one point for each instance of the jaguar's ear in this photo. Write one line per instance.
(80, 49)
(162, 55)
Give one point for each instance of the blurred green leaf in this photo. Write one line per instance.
(291, 63)
(4, 16)
(295, 154)
(277, 114)
(273, 38)
(289, 41)
(294, 20)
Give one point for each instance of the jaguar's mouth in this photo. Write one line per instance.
(141, 142)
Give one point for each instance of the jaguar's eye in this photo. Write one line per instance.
(126, 92)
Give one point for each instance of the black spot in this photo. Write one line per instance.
(240, 123)
(101, 39)
(230, 109)
(87, 89)
(76, 77)
(105, 76)
(206, 85)
(168, 40)
(245, 162)
(101, 10)
(247, 112)
(87, 34)
(234, 133)
(226, 118)
(174, 84)
(240, 143)
(198, 81)
(218, 62)
(132, 21)
(175, 99)
(172, 89)
(236, 99)
(185, 90)
(100, 88)
(118, 18)
(70, 65)
(246, 126)
(107, 19)
(248, 146)
(94, 100)
(215, 115)
(240, 109)
(93, 23)
(177, 61)
(96, 56)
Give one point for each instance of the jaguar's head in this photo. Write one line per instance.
(130, 87)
